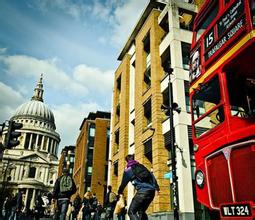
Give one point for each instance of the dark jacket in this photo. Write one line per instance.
(128, 175)
(59, 195)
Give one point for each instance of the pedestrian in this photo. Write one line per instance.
(13, 204)
(7, 207)
(94, 214)
(120, 208)
(39, 207)
(46, 205)
(110, 203)
(16, 205)
(64, 188)
(99, 211)
(87, 205)
(145, 184)
(20, 204)
(76, 205)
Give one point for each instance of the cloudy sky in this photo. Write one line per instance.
(74, 43)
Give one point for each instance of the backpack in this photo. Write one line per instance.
(112, 197)
(66, 184)
(142, 173)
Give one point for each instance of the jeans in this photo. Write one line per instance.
(62, 208)
(139, 205)
(13, 214)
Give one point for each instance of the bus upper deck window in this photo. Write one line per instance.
(241, 95)
(252, 3)
(208, 19)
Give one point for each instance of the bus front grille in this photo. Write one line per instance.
(231, 174)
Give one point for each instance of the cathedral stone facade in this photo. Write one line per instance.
(33, 164)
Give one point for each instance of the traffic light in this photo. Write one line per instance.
(12, 135)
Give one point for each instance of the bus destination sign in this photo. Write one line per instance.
(233, 13)
(230, 34)
(227, 26)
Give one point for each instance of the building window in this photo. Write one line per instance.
(92, 130)
(186, 19)
(118, 83)
(185, 55)
(89, 170)
(166, 97)
(31, 172)
(166, 60)
(91, 138)
(118, 110)
(146, 44)
(115, 168)
(187, 101)
(147, 78)
(146, 47)
(147, 113)
(165, 26)
(88, 188)
(118, 95)
(117, 139)
(148, 149)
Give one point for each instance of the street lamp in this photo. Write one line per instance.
(169, 111)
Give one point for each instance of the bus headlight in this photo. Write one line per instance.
(200, 178)
(195, 147)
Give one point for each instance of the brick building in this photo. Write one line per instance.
(91, 154)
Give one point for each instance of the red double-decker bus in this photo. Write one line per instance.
(222, 95)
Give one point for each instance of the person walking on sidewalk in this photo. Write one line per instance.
(64, 188)
(110, 203)
(145, 184)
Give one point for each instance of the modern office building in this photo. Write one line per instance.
(91, 154)
(33, 164)
(160, 40)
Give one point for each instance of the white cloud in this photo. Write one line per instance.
(10, 100)
(94, 79)
(3, 50)
(21, 65)
(84, 79)
(68, 119)
(120, 16)
(126, 17)
(73, 9)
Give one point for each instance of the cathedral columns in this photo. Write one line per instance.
(30, 143)
(36, 142)
(32, 200)
(17, 172)
(26, 197)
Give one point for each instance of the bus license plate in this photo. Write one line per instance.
(235, 210)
